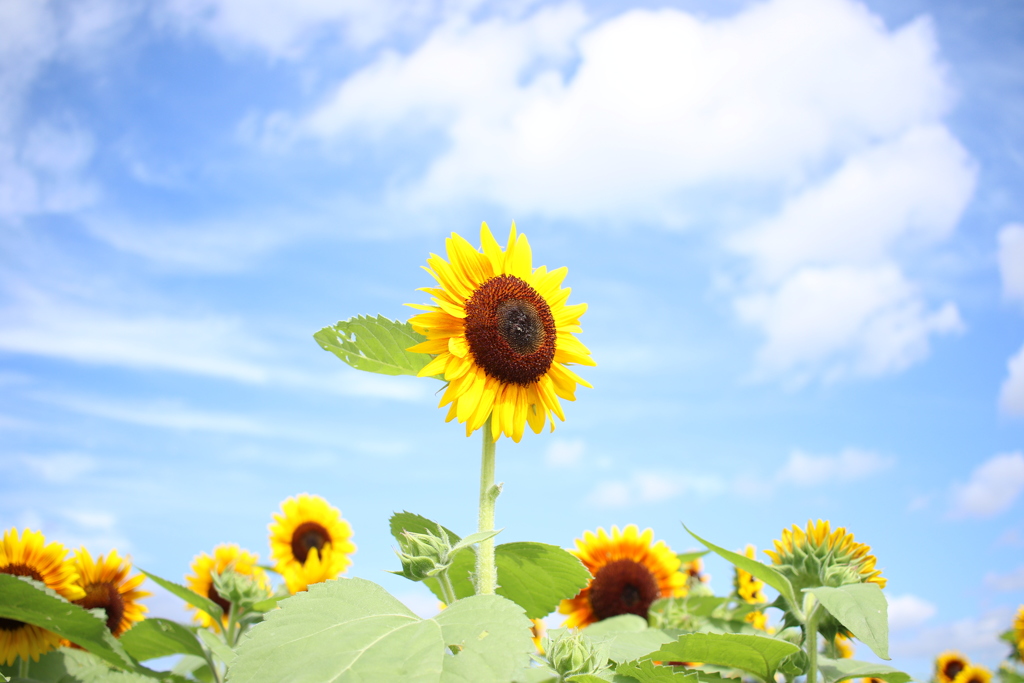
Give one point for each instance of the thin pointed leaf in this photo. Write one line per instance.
(836, 670)
(217, 646)
(375, 345)
(691, 556)
(191, 597)
(757, 655)
(473, 539)
(860, 607)
(152, 638)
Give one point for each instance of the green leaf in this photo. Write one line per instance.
(218, 647)
(375, 345)
(268, 604)
(694, 605)
(491, 636)
(191, 597)
(473, 539)
(757, 655)
(542, 674)
(624, 623)
(463, 563)
(626, 637)
(860, 607)
(691, 556)
(152, 638)
(418, 524)
(23, 599)
(648, 672)
(538, 576)
(85, 667)
(757, 569)
(835, 670)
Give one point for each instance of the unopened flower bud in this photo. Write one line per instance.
(573, 653)
(424, 555)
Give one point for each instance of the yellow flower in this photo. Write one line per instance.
(843, 647)
(30, 555)
(1018, 630)
(629, 573)
(757, 619)
(973, 673)
(309, 541)
(225, 556)
(748, 588)
(501, 334)
(948, 666)
(107, 586)
(537, 633)
(821, 556)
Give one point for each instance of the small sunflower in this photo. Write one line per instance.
(1018, 631)
(225, 556)
(948, 666)
(310, 541)
(973, 673)
(842, 647)
(747, 587)
(629, 573)
(537, 633)
(501, 334)
(30, 555)
(106, 585)
(757, 619)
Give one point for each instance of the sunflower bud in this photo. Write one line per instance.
(840, 575)
(572, 653)
(237, 588)
(424, 555)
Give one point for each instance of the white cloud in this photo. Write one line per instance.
(993, 487)
(565, 453)
(851, 464)
(60, 468)
(976, 636)
(645, 487)
(1014, 581)
(908, 611)
(1011, 395)
(1011, 261)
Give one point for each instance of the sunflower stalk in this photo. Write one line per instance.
(22, 667)
(486, 575)
(811, 641)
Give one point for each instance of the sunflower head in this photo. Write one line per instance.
(28, 554)
(747, 587)
(309, 531)
(948, 666)
(757, 619)
(819, 556)
(628, 573)
(1018, 632)
(974, 673)
(107, 586)
(225, 556)
(501, 334)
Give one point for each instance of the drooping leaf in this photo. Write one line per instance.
(756, 655)
(538, 576)
(375, 345)
(85, 667)
(860, 607)
(691, 556)
(31, 602)
(836, 670)
(647, 671)
(217, 646)
(188, 595)
(491, 638)
(152, 638)
(757, 569)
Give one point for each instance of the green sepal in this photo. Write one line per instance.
(188, 595)
(375, 345)
(756, 655)
(836, 670)
(758, 570)
(861, 608)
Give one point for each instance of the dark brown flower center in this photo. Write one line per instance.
(510, 330)
(953, 668)
(106, 597)
(623, 587)
(215, 596)
(307, 536)
(17, 570)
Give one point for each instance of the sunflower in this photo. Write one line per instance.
(501, 334)
(225, 556)
(30, 555)
(1018, 630)
(842, 647)
(973, 673)
(821, 556)
(309, 541)
(948, 666)
(107, 586)
(629, 573)
(758, 620)
(748, 588)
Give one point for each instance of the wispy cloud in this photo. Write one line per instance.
(909, 611)
(851, 464)
(992, 489)
(977, 635)
(59, 468)
(1013, 581)
(648, 487)
(565, 453)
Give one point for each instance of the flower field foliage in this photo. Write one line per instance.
(500, 335)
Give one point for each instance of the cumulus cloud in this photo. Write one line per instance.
(992, 489)
(1013, 581)
(977, 635)
(644, 487)
(908, 611)
(851, 464)
(1011, 261)
(1011, 394)
(565, 453)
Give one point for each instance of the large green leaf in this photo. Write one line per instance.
(538, 576)
(759, 570)
(836, 670)
(648, 672)
(375, 345)
(31, 602)
(694, 605)
(757, 655)
(188, 595)
(490, 636)
(627, 645)
(860, 607)
(152, 638)
(85, 667)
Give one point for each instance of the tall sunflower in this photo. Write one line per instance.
(948, 666)
(225, 556)
(106, 585)
(629, 573)
(502, 335)
(310, 541)
(28, 554)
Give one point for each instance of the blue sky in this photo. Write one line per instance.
(798, 225)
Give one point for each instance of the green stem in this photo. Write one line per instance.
(229, 635)
(22, 667)
(486, 576)
(446, 587)
(811, 643)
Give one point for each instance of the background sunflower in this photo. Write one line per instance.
(106, 585)
(225, 556)
(309, 541)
